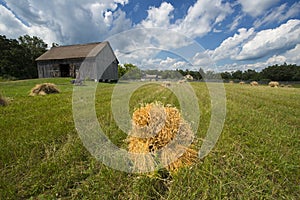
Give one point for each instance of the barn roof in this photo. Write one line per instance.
(73, 51)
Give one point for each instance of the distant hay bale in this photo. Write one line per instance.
(254, 83)
(188, 77)
(231, 82)
(273, 84)
(154, 127)
(3, 101)
(242, 83)
(44, 89)
(289, 86)
(166, 84)
(181, 81)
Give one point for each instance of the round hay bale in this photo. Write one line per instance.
(254, 83)
(231, 82)
(273, 84)
(155, 126)
(242, 83)
(44, 89)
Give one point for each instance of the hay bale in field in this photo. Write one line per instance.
(166, 84)
(254, 83)
(3, 101)
(289, 86)
(231, 82)
(273, 84)
(44, 89)
(181, 81)
(242, 83)
(154, 127)
(188, 77)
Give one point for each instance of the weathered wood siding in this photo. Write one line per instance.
(107, 64)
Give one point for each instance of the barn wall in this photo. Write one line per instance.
(88, 70)
(49, 69)
(107, 65)
(103, 67)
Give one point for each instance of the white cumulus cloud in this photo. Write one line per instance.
(64, 22)
(269, 41)
(202, 17)
(232, 46)
(279, 14)
(256, 7)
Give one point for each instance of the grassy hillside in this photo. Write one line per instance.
(256, 157)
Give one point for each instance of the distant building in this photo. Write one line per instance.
(95, 61)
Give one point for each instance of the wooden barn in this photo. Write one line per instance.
(94, 61)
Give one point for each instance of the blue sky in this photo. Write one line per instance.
(211, 34)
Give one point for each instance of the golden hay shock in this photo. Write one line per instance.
(156, 127)
(43, 89)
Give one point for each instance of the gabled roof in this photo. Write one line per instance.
(80, 51)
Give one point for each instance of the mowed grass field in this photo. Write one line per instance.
(256, 156)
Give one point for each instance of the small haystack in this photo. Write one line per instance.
(155, 127)
(3, 101)
(254, 83)
(181, 81)
(166, 84)
(242, 83)
(274, 84)
(44, 89)
(231, 82)
(188, 77)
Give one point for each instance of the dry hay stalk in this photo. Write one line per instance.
(155, 128)
(274, 84)
(43, 89)
(254, 83)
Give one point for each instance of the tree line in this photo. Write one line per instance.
(17, 58)
(284, 72)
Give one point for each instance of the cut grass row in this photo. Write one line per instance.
(256, 157)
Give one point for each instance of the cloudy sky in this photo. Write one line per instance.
(211, 34)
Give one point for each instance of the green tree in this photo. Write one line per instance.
(283, 72)
(17, 58)
(32, 47)
(237, 75)
(129, 71)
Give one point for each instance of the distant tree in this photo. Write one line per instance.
(283, 72)
(17, 58)
(33, 47)
(251, 75)
(129, 71)
(237, 75)
(226, 75)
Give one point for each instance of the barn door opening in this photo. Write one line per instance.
(64, 70)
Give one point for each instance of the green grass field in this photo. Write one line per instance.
(256, 157)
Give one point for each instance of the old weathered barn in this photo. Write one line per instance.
(95, 61)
